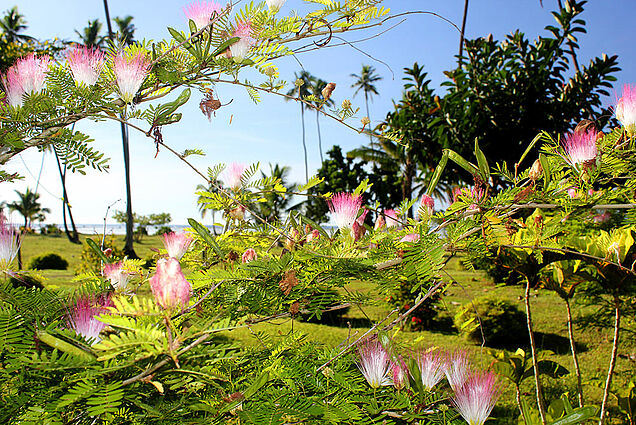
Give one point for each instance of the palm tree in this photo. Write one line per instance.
(300, 92)
(316, 89)
(461, 35)
(212, 188)
(365, 83)
(29, 207)
(275, 204)
(90, 35)
(128, 246)
(126, 30)
(11, 24)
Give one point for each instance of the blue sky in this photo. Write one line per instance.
(271, 131)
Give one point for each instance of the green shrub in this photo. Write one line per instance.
(424, 317)
(501, 322)
(90, 261)
(50, 261)
(25, 281)
(163, 229)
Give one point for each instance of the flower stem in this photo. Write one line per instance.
(575, 360)
(533, 350)
(610, 369)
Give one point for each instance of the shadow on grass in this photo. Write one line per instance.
(545, 341)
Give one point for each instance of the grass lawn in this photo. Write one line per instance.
(548, 314)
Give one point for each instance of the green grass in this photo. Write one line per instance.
(548, 314)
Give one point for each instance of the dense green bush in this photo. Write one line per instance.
(25, 281)
(162, 230)
(500, 321)
(90, 261)
(49, 261)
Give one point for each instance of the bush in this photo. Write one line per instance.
(90, 261)
(501, 322)
(50, 229)
(50, 261)
(25, 281)
(163, 229)
(424, 316)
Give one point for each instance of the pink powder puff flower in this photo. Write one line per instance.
(411, 237)
(249, 255)
(400, 374)
(457, 369)
(26, 76)
(86, 64)
(602, 218)
(313, 235)
(201, 12)
(344, 209)
(9, 242)
(373, 362)
(428, 204)
(573, 193)
(233, 175)
(169, 286)
(477, 397)
(244, 32)
(625, 109)
(457, 191)
(391, 218)
(237, 213)
(130, 73)
(117, 275)
(176, 244)
(580, 146)
(275, 5)
(431, 366)
(83, 317)
(379, 222)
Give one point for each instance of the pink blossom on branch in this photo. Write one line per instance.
(373, 362)
(457, 369)
(201, 12)
(176, 244)
(428, 204)
(357, 228)
(344, 209)
(234, 175)
(243, 31)
(411, 237)
(83, 314)
(86, 64)
(400, 374)
(580, 146)
(477, 397)
(391, 218)
(26, 76)
(117, 275)
(379, 222)
(130, 73)
(169, 286)
(9, 242)
(431, 366)
(625, 108)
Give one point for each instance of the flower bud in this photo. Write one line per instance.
(535, 171)
(176, 244)
(365, 121)
(313, 235)
(169, 286)
(329, 88)
(249, 255)
(346, 104)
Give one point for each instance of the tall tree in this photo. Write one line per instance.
(91, 34)
(301, 90)
(365, 82)
(125, 29)
(128, 246)
(12, 24)
(29, 207)
(462, 35)
(72, 234)
(316, 88)
(276, 204)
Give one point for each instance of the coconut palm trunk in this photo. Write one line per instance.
(461, 36)
(302, 119)
(128, 246)
(319, 138)
(72, 236)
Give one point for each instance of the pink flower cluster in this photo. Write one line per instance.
(26, 76)
(169, 285)
(118, 275)
(625, 109)
(9, 242)
(344, 209)
(475, 392)
(82, 317)
(201, 12)
(240, 49)
(130, 73)
(86, 64)
(234, 175)
(580, 146)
